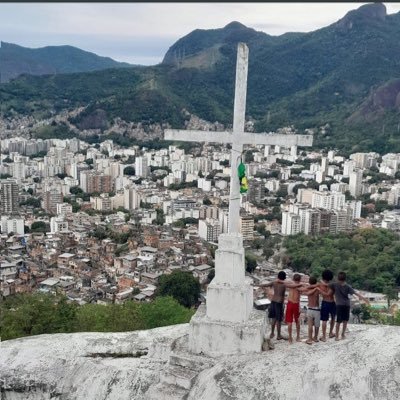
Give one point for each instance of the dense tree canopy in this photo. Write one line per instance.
(182, 286)
(370, 257)
(38, 313)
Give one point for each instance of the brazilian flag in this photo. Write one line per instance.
(244, 186)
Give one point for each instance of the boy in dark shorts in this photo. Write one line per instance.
(342, 291)
(328, 305)
(275, 311)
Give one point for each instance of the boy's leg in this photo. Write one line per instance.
(289, 321)
(298, 331)
(273, 323)
(344, 329)
(290, 330)
(272, 318)
(317, 321)
(332, 327)
(316, 329)
(323, 337)
(324, 318)
(337, 330)
(333, 316)
(310, 322)
(279, 318)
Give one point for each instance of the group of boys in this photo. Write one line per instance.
(335, 303)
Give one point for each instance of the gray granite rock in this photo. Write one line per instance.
(100, 366)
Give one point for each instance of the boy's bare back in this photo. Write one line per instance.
(294, 295)
(313, 299)
(326, 292)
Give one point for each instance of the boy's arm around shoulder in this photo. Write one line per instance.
(269, 284)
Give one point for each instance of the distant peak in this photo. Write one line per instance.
(366, 13)
(235, 25)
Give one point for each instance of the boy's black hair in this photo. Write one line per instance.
(312, 280)
(282, 275)
(297, 277)
(327, 275)
(341, 276)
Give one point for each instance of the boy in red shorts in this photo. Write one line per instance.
(293, 308)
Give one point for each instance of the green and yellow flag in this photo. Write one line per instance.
(244, 186)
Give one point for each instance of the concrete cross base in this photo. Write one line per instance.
(218, 338)
(231, 303)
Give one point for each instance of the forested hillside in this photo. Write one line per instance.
(344, 77)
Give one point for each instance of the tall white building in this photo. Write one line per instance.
(58, 224)
(64, 208)
(9, 196)
(12, 225)
(327, 200)
(131, 198)
(355, 182)
(290, 223)
(141, 167)
(209, 229)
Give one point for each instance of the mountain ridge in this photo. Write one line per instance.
(16, 60)
(309, 80)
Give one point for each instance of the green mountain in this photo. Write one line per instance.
(17, 60)
(344, 77)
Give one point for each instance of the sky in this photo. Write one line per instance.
(141, 33)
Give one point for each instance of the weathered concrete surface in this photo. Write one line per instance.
(365, 366)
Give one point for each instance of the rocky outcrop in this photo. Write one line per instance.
(385, 98)
(366, 14)
(155, 364)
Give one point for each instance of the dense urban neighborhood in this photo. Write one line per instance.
(100, 223)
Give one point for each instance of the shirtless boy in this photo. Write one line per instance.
(275, 312)
(328, 305)
(293, 308)
(313, 310)
(342, 291)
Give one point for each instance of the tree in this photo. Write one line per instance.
(160, 219)
(182, 286)
(39, 226)
(207, 201)
(76, 190)
(129, 170)
(391, 294)
(250, 262)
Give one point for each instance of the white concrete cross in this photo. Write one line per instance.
(238, 137)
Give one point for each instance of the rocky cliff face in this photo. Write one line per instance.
(154, 365)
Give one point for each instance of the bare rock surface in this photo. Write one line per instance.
(134, 365)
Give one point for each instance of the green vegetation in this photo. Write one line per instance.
(182, 286)
(343, 80)
(35, 314)
(40, 226)
(370, 257)
(60, 131)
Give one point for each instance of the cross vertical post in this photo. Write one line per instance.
(238, 128)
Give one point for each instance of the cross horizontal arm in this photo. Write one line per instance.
(243, 138)
(276, 139)
(198, 136)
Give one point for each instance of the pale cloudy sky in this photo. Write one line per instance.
(141, 33)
